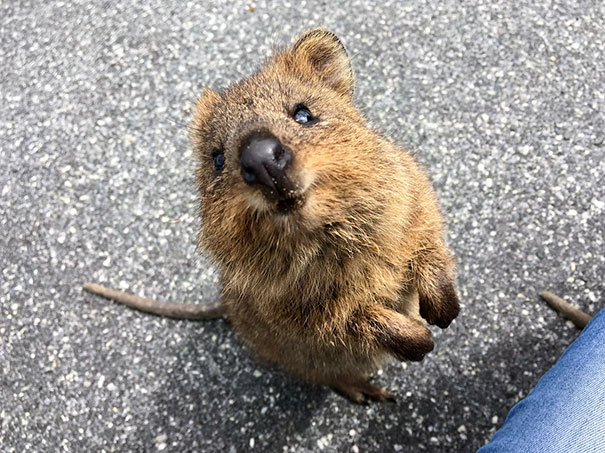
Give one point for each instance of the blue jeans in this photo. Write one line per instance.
(565, 412)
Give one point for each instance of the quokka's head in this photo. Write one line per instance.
(285, 150)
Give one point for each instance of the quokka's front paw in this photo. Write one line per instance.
(440, 306)
(411, 344)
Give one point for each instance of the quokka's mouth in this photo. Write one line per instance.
(278, 199)
(288, 205)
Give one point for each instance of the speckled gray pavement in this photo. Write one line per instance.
(503, 101)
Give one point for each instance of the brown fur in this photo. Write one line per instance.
(330, 289)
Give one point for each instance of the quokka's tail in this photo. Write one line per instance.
(157, 307)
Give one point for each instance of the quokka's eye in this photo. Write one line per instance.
(219, 158)
(302, 115)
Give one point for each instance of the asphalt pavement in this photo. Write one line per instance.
(503, 101)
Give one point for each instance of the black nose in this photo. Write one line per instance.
(264, 161)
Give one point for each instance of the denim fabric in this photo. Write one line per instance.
(565, 412)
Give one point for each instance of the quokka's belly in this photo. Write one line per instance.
(311, 356)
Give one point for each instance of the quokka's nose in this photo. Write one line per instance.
(263, 161)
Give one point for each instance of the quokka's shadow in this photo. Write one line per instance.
(226, 397)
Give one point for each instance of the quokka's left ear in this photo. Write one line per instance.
(322, 52)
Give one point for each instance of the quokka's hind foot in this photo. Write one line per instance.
(360, 391)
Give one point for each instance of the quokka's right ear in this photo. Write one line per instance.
(321, 52)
